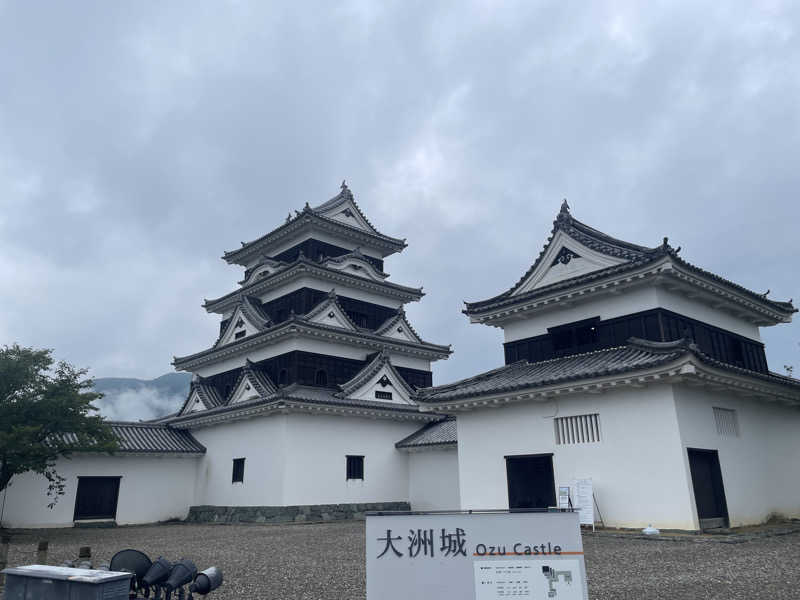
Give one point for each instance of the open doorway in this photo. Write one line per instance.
(709, 492)
(96, 498)
(530, 481)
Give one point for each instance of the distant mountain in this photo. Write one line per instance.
(128, 399)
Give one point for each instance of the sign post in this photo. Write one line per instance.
(490, 555)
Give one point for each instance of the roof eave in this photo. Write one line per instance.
(299, 327)
(301, 267)
(379, 241)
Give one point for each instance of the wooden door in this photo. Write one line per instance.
(530, 481)
(709, 492)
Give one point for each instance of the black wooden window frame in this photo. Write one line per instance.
(355, 467)
(237, 473)
(657, 324)
(379, 395)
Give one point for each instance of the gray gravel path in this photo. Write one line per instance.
(326, 561)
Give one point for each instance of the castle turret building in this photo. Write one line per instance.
(634, 368)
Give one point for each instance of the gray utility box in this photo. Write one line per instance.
(43, 582)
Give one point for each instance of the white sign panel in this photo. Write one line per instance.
(475, 556)
(583, 500)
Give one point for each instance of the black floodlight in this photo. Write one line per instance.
(182, 573)
(131, 561)
(158, 572)
(207, 581)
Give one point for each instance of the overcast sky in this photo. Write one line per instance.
(139, 140)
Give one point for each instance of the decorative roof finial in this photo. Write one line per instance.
(289, 217)
(344, 184)
(666, 242)
(565, 206)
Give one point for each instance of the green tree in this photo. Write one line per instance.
(46, 412)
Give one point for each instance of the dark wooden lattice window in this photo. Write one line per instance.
(238, 470)
(321, 377)
(355, 467)
(383, 395)
(239, 335)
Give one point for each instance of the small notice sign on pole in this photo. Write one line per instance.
(583, 500)
(475, 556)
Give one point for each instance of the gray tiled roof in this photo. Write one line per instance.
(636, 355)
(301, 265)
(635, 256)
(147, 437)
(522, 374)
(314, 214)
(439, 433)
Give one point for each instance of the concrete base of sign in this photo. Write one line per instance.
(289, 514)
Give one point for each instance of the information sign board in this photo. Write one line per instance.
(583, 499)
(475, 556)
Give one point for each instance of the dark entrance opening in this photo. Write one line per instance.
(530, 481)
(709, 493)
(97, 498)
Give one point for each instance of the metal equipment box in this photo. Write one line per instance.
(44, 582)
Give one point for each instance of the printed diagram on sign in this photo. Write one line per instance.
(552, 579)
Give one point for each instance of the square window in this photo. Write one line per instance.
(238, 471)
(355, 467)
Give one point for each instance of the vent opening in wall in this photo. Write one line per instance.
(578, 429)
(239, 335)
(383, 395)
(726, 421)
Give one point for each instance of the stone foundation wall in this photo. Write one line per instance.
(288, 514)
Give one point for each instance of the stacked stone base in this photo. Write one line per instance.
(288, 514)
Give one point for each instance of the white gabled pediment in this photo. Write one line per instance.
(331, 313)
(239, 327)
(261, 272)
(355, 266)
(564, 259)
(195, 404)
(246, 390)
(385, 381)
(398, 328)
(347, 213)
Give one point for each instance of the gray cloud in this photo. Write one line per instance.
(139, 141)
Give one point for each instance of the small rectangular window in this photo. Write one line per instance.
(238, 470)
(355, 467)
(726, 421)
(239, 335)
(383, 395)
(580, 429)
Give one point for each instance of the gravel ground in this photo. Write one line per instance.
(267, 562)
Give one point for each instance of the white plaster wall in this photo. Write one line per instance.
(308, 345)
(261, 441)
(325, 285)
(701, 311)
(637, 469)
(316, 464)
(152, 489)
(630, 300)
(605, 306)
(761, 467)
(433, 479)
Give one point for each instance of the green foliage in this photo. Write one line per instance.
(46, 412)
